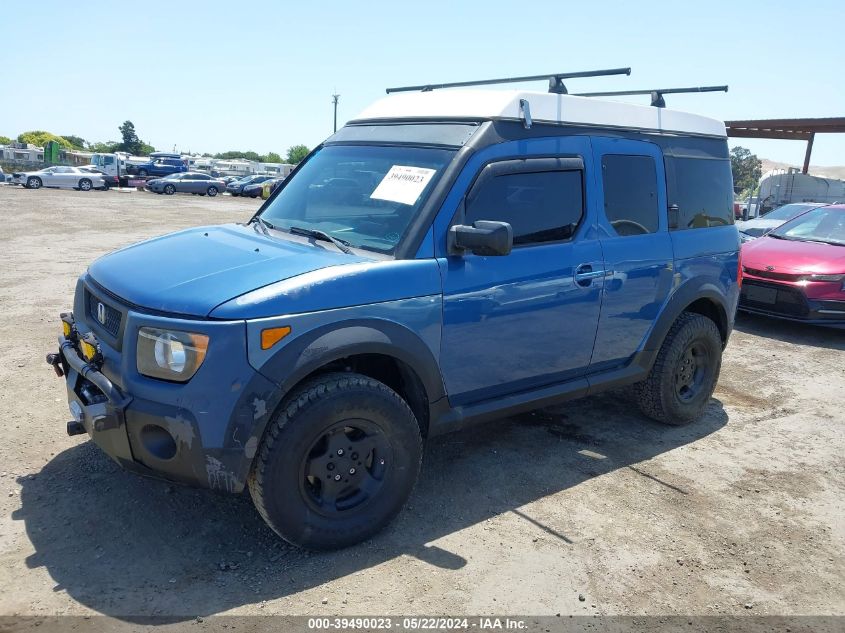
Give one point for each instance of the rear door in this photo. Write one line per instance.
(528, 319)
(199, 183)
(634, 236)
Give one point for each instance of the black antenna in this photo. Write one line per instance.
(555, 81)
(656, 95)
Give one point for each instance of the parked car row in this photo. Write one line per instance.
(236, 187)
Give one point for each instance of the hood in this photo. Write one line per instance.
(793, 256)
(758, 226)
(193, 271)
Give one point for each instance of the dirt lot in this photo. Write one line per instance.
(588, 509)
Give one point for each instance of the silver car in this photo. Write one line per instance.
(59, 176)
(188, 182)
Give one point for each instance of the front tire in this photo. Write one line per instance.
(685, 372)
(212, 191)
(338, 462)
(33, 182)
(169, 190)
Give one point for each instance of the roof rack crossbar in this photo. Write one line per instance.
(555, 80)
(656, 94)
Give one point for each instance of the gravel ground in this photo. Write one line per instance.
(585, 509)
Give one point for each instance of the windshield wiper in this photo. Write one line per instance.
(317, 234)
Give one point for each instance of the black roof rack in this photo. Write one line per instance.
(556, 84)
(656, 95)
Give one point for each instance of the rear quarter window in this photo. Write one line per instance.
(703, 191)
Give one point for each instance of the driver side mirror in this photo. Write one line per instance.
(482, 238)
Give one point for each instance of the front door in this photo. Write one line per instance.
(528, 319)
(638, 255)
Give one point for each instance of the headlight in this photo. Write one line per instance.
(170, 355)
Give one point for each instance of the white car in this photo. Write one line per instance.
(62, 177)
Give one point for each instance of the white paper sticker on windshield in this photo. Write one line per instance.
(403, 184)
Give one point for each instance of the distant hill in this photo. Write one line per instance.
(837, 172)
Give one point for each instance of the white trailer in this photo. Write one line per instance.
(780, 187)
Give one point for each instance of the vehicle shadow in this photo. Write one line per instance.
(790, 331)
(131, 547)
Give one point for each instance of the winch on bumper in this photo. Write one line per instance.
(204, 432)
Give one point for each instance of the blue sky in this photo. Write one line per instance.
(213, 76)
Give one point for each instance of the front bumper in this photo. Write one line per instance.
(204, 432)
(783, 301)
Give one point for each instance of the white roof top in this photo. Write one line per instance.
(544, 106)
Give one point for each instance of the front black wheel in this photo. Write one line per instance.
(169, 190)
(338, 462)
(212, 191)
(684, 375)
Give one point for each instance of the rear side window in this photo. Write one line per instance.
(541, 206)
(630, 193)
(703, 191)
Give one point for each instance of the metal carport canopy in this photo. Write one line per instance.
(790, 129)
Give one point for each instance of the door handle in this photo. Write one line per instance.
(584, 274)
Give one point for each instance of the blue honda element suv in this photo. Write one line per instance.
(446, 258)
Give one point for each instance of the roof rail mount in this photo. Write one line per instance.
(556, 84)
(657, 99)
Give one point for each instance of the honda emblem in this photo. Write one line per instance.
(770, 268)
(101, 313)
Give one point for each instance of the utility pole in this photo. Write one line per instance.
(335, 98)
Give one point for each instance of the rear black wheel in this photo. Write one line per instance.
(85, 184)
(338, 461)
(684, 375)
(212, 191)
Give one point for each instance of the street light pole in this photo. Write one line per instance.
(335, 98)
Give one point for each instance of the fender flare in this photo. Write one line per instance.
(685, 295)
(329, 343)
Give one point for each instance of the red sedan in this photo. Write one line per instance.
(797, 271)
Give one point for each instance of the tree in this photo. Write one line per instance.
(131, 143)
(77, 142)
(271, 157)
(104, 148)
(746, 169)
(40, 138)
(5, 140)
(297, 153)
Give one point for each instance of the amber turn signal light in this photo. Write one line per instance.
(273, 335)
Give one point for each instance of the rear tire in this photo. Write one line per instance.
(337, 463)
(685, 372)
(169, 190)
(33, 182)
(142, 173)
(85, 185)
(212, 191)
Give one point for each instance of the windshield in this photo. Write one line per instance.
(787, 212)
(824, 224)
(363, 195)
(172, 177)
